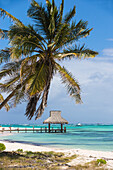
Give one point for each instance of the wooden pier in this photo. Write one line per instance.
(34, 130)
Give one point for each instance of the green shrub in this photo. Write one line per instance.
(52, 153)
(19, 150)
(29, 152)
(2, 147)
(101, 161)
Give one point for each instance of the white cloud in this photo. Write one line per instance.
(86, 72)
(56, 87)
(108, 51)
(97, 76)
(110, 39)
(104, 59)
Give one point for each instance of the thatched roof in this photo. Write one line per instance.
(55, 118)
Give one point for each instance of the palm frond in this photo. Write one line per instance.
(30, 112)
(10, 84)
(5, 55)
(43, 104)
(31, 106)
(48, 3)
(18, 98)
(67, 35)
(10, 68)
(3, 34)
(39, 15)
(28, 63)
(52, 22)
(61, 11)
(13, 89)
(53, 4)
(28, 32)
(77, 52)
(70, 15)
(61, 37)
(9, 96)
(5, 13)
(71, 84)
(24, 41)
(38, 80)
(1, 100)
(79, 30)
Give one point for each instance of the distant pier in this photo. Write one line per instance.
(34, 130)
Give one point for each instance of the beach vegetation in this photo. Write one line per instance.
(96, 164)
(55, 154)
(19, 150)
(28, 152)
(39, 160)
(2, 147)
(101, 161)
(44, 160)
(35, 53)
(87, 166)
(66, 159)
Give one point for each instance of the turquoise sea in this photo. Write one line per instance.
(95, 137)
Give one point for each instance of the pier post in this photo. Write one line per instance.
(41, 129)
(2, 130)
(64, 129)
(61, 127)
(49, 127)
(10, 129)
(45, 129)
(18, 130)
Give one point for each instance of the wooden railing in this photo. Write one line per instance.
(34, 130)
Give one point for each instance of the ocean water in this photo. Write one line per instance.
(94, 137)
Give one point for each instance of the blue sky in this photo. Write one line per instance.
(94, 75)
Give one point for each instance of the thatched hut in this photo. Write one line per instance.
(55, 118)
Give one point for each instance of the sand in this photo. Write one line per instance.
(84, 156)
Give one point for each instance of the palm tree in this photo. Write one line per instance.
(35, 53)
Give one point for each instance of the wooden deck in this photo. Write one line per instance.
(34, 130)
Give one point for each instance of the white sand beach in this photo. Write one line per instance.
(83, 157)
